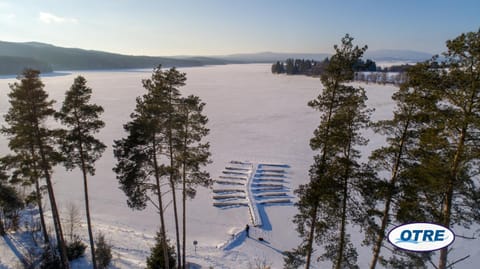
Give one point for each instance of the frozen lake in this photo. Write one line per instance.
(254, 116)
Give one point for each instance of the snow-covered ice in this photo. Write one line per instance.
(253, 115)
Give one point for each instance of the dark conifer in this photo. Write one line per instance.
(448, 151)
(10, 200)
(193, 154)
(382, 194)
(29, 110)
(156, 258)
(327, 200)
(80, 147)
(138, 168)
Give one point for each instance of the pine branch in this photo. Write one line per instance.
(457, 261)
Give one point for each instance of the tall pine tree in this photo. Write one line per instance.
(138, 168)
(324, 202)
(29, 110)
(382, 194)
(193, 154)
(448, 151)
(80, 147)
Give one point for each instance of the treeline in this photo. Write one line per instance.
(426, 172)
(316, 68)
(163, 147)
(365, 71)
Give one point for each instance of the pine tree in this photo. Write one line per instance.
(382, 195)
(448, 149)
(24, 171)
(192, 154)
(169, 82)
(80, 147)
(29, 110)
(156, 258)
(139, 155)
(9, 198)
(103, 251)
(323, 202)
(462, 126)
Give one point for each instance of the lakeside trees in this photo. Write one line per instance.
(80, 147)
(164, 143)
(431, 159)
(32, 141)
(325, 203)
(429, 162)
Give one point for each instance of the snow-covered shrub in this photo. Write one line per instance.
(50, 259)
(103, 252)
(75, 249)
(156, 260)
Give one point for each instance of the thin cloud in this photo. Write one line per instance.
(4, 5)
(49, 18)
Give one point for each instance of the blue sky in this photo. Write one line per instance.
(215, 27)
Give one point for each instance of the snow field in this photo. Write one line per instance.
(276, 125)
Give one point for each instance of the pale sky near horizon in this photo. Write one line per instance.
(216, 27)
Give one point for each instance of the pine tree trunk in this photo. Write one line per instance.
(386, 211)
(184, 193)
(343, 223)
(184, 231)
(56, 217)
(341, 250)
(311, 235)
(447, 205)
(87, 204)
(323, 160)
(166, 258)
(172, 178)
(46, 239)
(2, 227)
(177, 229)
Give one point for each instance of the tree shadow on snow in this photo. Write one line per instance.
(14, 248)
(191, 265)
(268, 245)
(236, 241)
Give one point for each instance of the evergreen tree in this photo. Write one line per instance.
(169, 82)
(156, 258)
(324, 202)
(80, 147)
(138, 168)
(24, 171)
(29, 110)
(192, 154)
(382, 195)
(448, 149)
(103, 251)
(461, 128)
(9, 199)
(290, 67)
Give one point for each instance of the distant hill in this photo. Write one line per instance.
(60, 58)
(14, 65)
(376, 55)
(397, 55)
(49, 58)
(270, 57)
